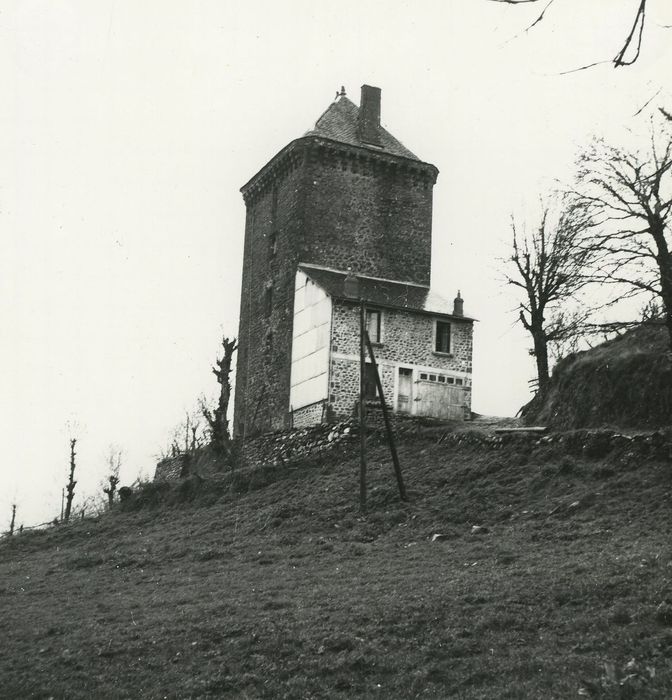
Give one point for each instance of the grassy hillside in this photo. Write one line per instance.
(276, 587)
(625, 382)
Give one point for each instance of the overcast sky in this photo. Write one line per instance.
(127, 128)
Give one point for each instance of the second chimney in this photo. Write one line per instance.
(369, 116)
(458, 305)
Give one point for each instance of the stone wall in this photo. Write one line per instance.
(407, 340)
(273, 234)
(282, 448)
(370, 212)
(586, 443)
(310, 415)
(172, 468)
(406, 337)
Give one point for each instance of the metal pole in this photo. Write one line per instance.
(362, 408)
(388, 427)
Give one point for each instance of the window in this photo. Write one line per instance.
(442, 341)
(442, 379)
(273, 243)
(373, 325)
(370, 386)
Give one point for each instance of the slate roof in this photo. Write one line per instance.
(339, 123)
(385, 293)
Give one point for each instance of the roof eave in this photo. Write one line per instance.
(319, 140)
(396, 307)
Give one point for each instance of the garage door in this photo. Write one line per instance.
(440, 401)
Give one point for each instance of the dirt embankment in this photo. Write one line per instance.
(624, 383)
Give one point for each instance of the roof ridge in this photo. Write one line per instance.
(384, 293)
(339, 98)
(368, 277)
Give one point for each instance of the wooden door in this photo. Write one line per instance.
(440, 401)
(405, 391)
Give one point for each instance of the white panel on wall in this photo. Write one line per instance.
(310, 391)
(309, 366)
(310, 343)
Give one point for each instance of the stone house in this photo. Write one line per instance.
(344, 207)
(423, 347)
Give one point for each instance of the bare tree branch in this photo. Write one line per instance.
(633, 39)
(637, 29)
(548, 266)
(628, 196)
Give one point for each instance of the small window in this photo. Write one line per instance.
(373, 325)
(458, 381)
(442, 343)
(423, 376)
(432, 377)
(442, 379)
(450, 380)
(370, 386)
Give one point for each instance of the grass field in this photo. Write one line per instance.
(277, 587)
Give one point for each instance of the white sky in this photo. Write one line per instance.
(126, 130)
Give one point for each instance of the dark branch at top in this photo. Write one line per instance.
(634, 37)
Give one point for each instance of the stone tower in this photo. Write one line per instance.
(347, 194)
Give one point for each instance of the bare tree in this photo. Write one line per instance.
(628, 196)
(70, 488)
(568, 328)
(13, 521)
(190, 432)
(629, 50)
(547, 266)
(187, 436)
(112, 480)
(218, 419)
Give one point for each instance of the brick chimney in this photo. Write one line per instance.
(458, 305)
(369, 115)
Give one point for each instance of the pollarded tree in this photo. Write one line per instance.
(13, 520)
(547, 265)
(70, 488)
(218, 419)
(114, 459)
(628, 196)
